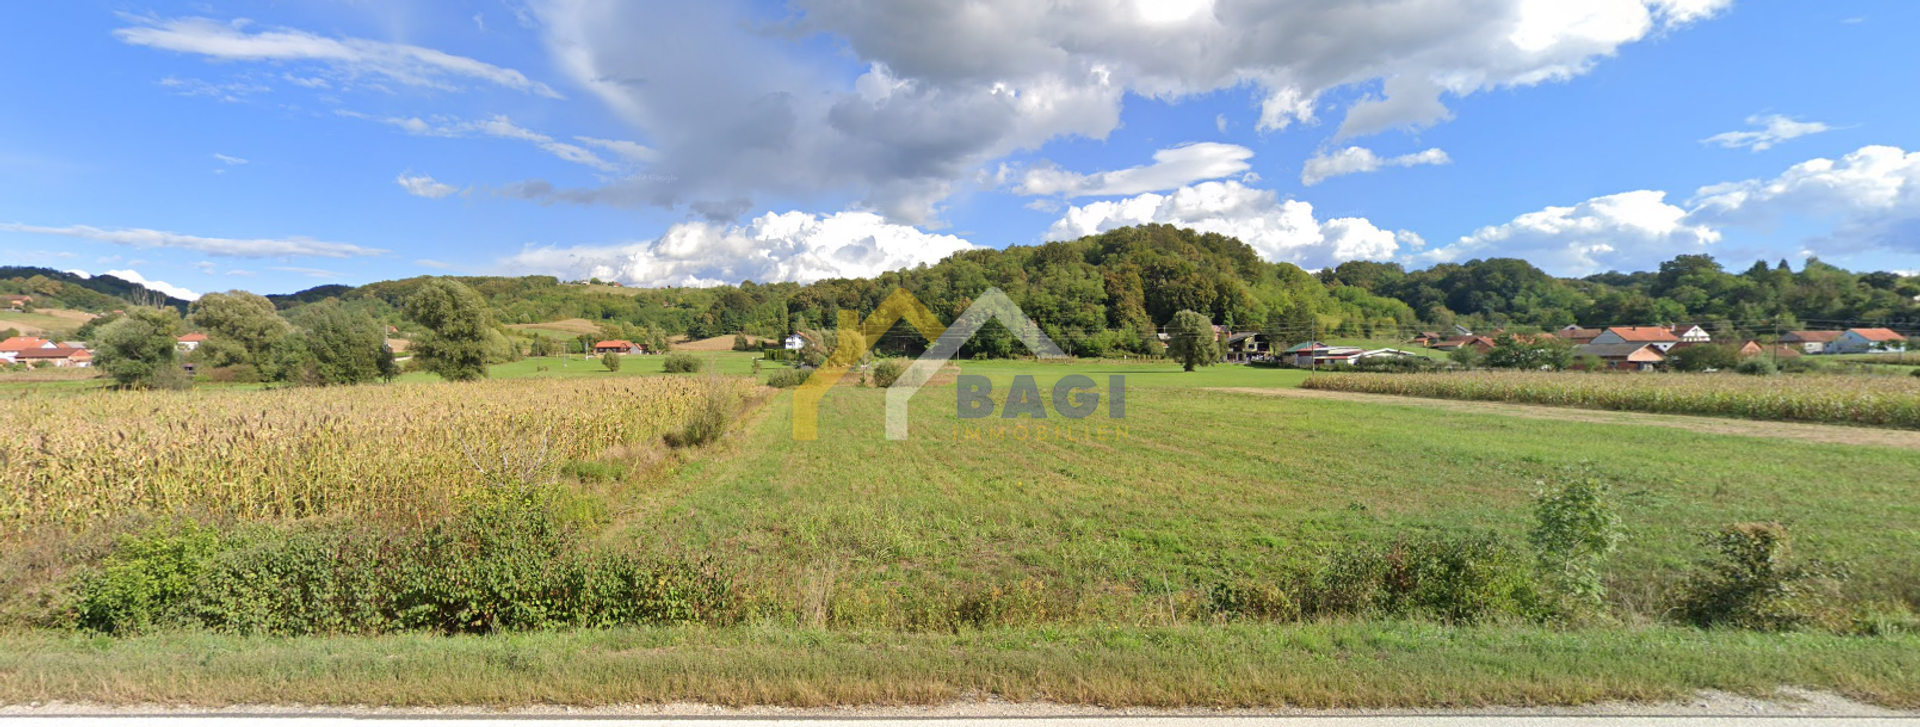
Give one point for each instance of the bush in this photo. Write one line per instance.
(1802, 365)
(1704, 357)
(1455, 579)
(888, 371)
(1916, 372)
(508, 563)
(611, 361)
(710, 418)
(787, 378)
(683, 363)
(1575, 531)
(1752, 584)
(1757, 366)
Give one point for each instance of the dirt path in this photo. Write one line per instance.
(1821, 433)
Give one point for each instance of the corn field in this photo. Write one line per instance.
(1881, 401)
(362, 450)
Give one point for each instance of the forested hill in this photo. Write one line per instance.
(1108, 293)
(98, 294)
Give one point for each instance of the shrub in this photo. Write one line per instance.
(1757, 366)
(1753, 583)
(1916, 372)
(787, 378)
(683, 363)
(1802, 365)
(711, 417)
(611, 361)
(1457, 579)
(888, 371)
(508, 562)
(742, 343)
(1575, 531)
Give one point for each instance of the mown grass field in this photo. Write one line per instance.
(1199, 486)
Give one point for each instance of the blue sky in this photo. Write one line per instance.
(277, 146)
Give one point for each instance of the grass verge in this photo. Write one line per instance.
(1403, 664)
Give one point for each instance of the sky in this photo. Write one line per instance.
(275, 146)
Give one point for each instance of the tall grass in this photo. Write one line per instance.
(370, 450)
(1871, 401)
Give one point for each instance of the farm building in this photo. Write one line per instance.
(1867, 340)
(1577, 335)
(1811, 341)
(1624, 356)
(1656, 336)
(16, 302)
(190, 341)
(1427, 339)
(618, 346)
(58, 356)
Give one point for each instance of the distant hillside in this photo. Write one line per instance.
(98, 294)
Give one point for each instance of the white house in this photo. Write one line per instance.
(1688, 333)
(190, 341)
(1658, 337)
(1867, 340)
(795, 342)
(1811, 341)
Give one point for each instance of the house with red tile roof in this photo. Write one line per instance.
(1577, 335)
(617, 346)
(1659, 337)
(16, 302)
(1867, 340)
(1624, 356)
(11, 348)
(57, 356)
(1811, 341)
(190, 341)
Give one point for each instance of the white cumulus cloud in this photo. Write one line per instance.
(1357, 160)
(422, 185)
(350, 57)
(794, 246)
(219, 246)
(1773, 130)
(1872, 196)
(1280, 230)
(133, 276)
(1171, 168)
(1617, 231)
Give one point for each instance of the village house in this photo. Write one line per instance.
(1624, 356)
(1427, 339)
(11, 348)
(1482, 344)
(1777, 350)
(1577, 335)
(1867, 340)
(16, 302)
(1688, 333)
(58, 355)
(1812, 342)
(619, 346)
(1656, 336)
(1243, 346)
(794, 342)
(190, 341)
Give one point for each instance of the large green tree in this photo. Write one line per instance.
(459, 339)
(1530, 352)
(335, 346)
(139, 349)
(1190, 340)
(241, 328)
